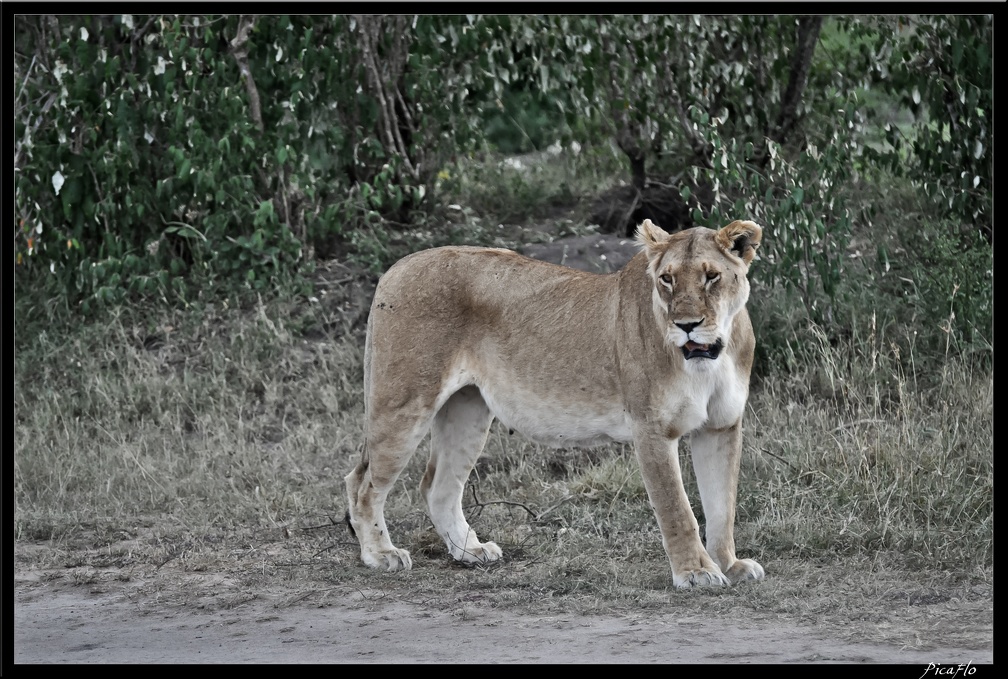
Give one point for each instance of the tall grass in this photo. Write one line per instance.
(852, 455)
(207, 419)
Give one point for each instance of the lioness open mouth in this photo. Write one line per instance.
(694, 350)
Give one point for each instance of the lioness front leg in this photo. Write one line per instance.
(716, 457)
(658, 456)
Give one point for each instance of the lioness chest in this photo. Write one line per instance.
(712, 396)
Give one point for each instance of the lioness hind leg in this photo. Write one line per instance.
(716, 457)
(368, 486)
(458, 435)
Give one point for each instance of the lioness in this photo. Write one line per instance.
(661, 348)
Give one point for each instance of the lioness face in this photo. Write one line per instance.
(700, 284)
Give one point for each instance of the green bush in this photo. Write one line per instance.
(150, 150)
(522, 121)
(955, 285)
(147, 163)
(943, 71)
(939, 70)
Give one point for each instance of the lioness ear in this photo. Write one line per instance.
(650, 236)
(741, 238)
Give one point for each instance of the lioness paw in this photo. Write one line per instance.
(388, 560)
(480, 554)
(744, 569)
(491, 552)
(700, 577)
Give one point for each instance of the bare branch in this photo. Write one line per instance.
(239, 49)
(479, 505)
(370, 32)
(701, 149)
(510, 503)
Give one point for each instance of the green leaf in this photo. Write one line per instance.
(70, 196)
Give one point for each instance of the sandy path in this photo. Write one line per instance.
(74, 626)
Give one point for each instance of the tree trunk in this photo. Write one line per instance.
(638, 174)
(801, 62)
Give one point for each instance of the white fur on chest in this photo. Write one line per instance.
(710, 394)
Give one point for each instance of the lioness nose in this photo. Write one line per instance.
(687, 327)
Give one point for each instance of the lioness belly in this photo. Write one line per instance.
(583, 412)
(546, 420)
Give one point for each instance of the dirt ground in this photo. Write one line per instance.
(598, 253)
(124, 622)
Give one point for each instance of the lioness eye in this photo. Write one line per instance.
(712, 276)
(666, 278)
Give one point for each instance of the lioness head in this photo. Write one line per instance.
(700, 283)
